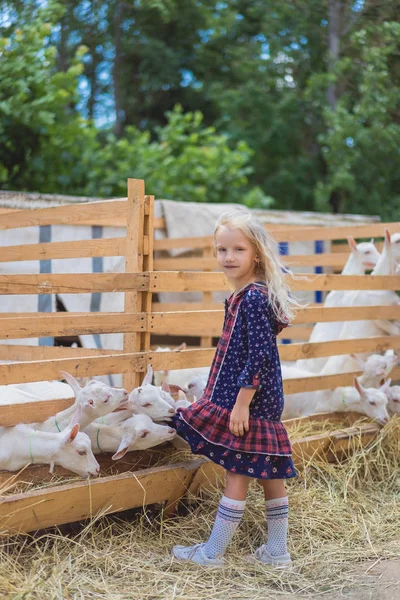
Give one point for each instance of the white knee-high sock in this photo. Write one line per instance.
(228, 517)
(277, 511)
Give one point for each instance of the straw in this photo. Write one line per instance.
(341, 515)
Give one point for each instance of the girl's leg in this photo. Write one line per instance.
(277, 509)
(229, 514)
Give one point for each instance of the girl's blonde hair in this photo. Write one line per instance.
(269, 269)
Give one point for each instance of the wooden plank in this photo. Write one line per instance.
(195, 323)
(18, 352)
(181, 281)
(77, 283)
(84, 366)
(335, 233)
(61, 250)
(206, 338)
(64, 215)
(322, 314)
(122, 363)
(174, 281)
(338, 347)
(73, 502)
(133, 264)
(66, 324)
(31, 412)
(148, 265)
(198, 263)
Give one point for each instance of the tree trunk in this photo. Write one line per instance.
(118, 127)
(334, 33)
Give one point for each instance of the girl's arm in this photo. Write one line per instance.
(259, 339)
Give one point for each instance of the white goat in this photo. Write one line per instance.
(386, 265)
(136, 433)
(196, 387)
(371, 402)
(96, 399)
(393, 394)
(363, 256)
(71, 449)
(376, 368)
(180, 378)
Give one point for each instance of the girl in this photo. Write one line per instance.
(236, 423)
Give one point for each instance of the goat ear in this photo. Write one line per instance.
(149, 375)
(372, 240)
(358, 360)
(175, 389)
(359, 387)
(180, 347)
(165, 387)
(384, 387)
(76, 417)
(72, 433)
(71, 381)
(352, 243)
(122, 450)
(387, 236)
(181, 395)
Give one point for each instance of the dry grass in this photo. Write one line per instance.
(340, 515)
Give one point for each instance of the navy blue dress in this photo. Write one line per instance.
(246, 356)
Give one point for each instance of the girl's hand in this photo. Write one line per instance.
(239, 421)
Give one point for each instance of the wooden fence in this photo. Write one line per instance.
(131, 487)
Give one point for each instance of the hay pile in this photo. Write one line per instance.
(340, 514)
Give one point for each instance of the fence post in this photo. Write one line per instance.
(139, 258)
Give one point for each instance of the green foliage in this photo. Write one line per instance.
(214, 101)
(362, 138)
(187, 161)
(37, 116)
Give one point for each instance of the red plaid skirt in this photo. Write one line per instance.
(212, 423)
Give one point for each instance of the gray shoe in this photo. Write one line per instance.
(262, 555)
(195, 554)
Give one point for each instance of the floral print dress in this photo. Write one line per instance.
(246, 356)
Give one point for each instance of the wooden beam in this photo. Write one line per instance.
(19, 352)
(76, 283)
(68, 214)
(61, 250)
(67, 324)
(33, 411)
(133, 264)
(171, 281)
(81, 500)
(338, 347)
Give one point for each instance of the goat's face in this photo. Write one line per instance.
(374, 402)
(148, 399)
(196, 387)
(366, 254)
(395, 246)
(75, 453)
(140, 432)
(393, 394)
(103, 398)
(380, 366)
(97, 395)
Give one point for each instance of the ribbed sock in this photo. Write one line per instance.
(277, 511)
(228, 517)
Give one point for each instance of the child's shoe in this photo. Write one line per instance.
(262, 555)
(196, 555)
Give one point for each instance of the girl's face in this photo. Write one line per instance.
(236, 256)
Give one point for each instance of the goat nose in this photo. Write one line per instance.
(171, 430)
(171, 411)
(98, 469)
